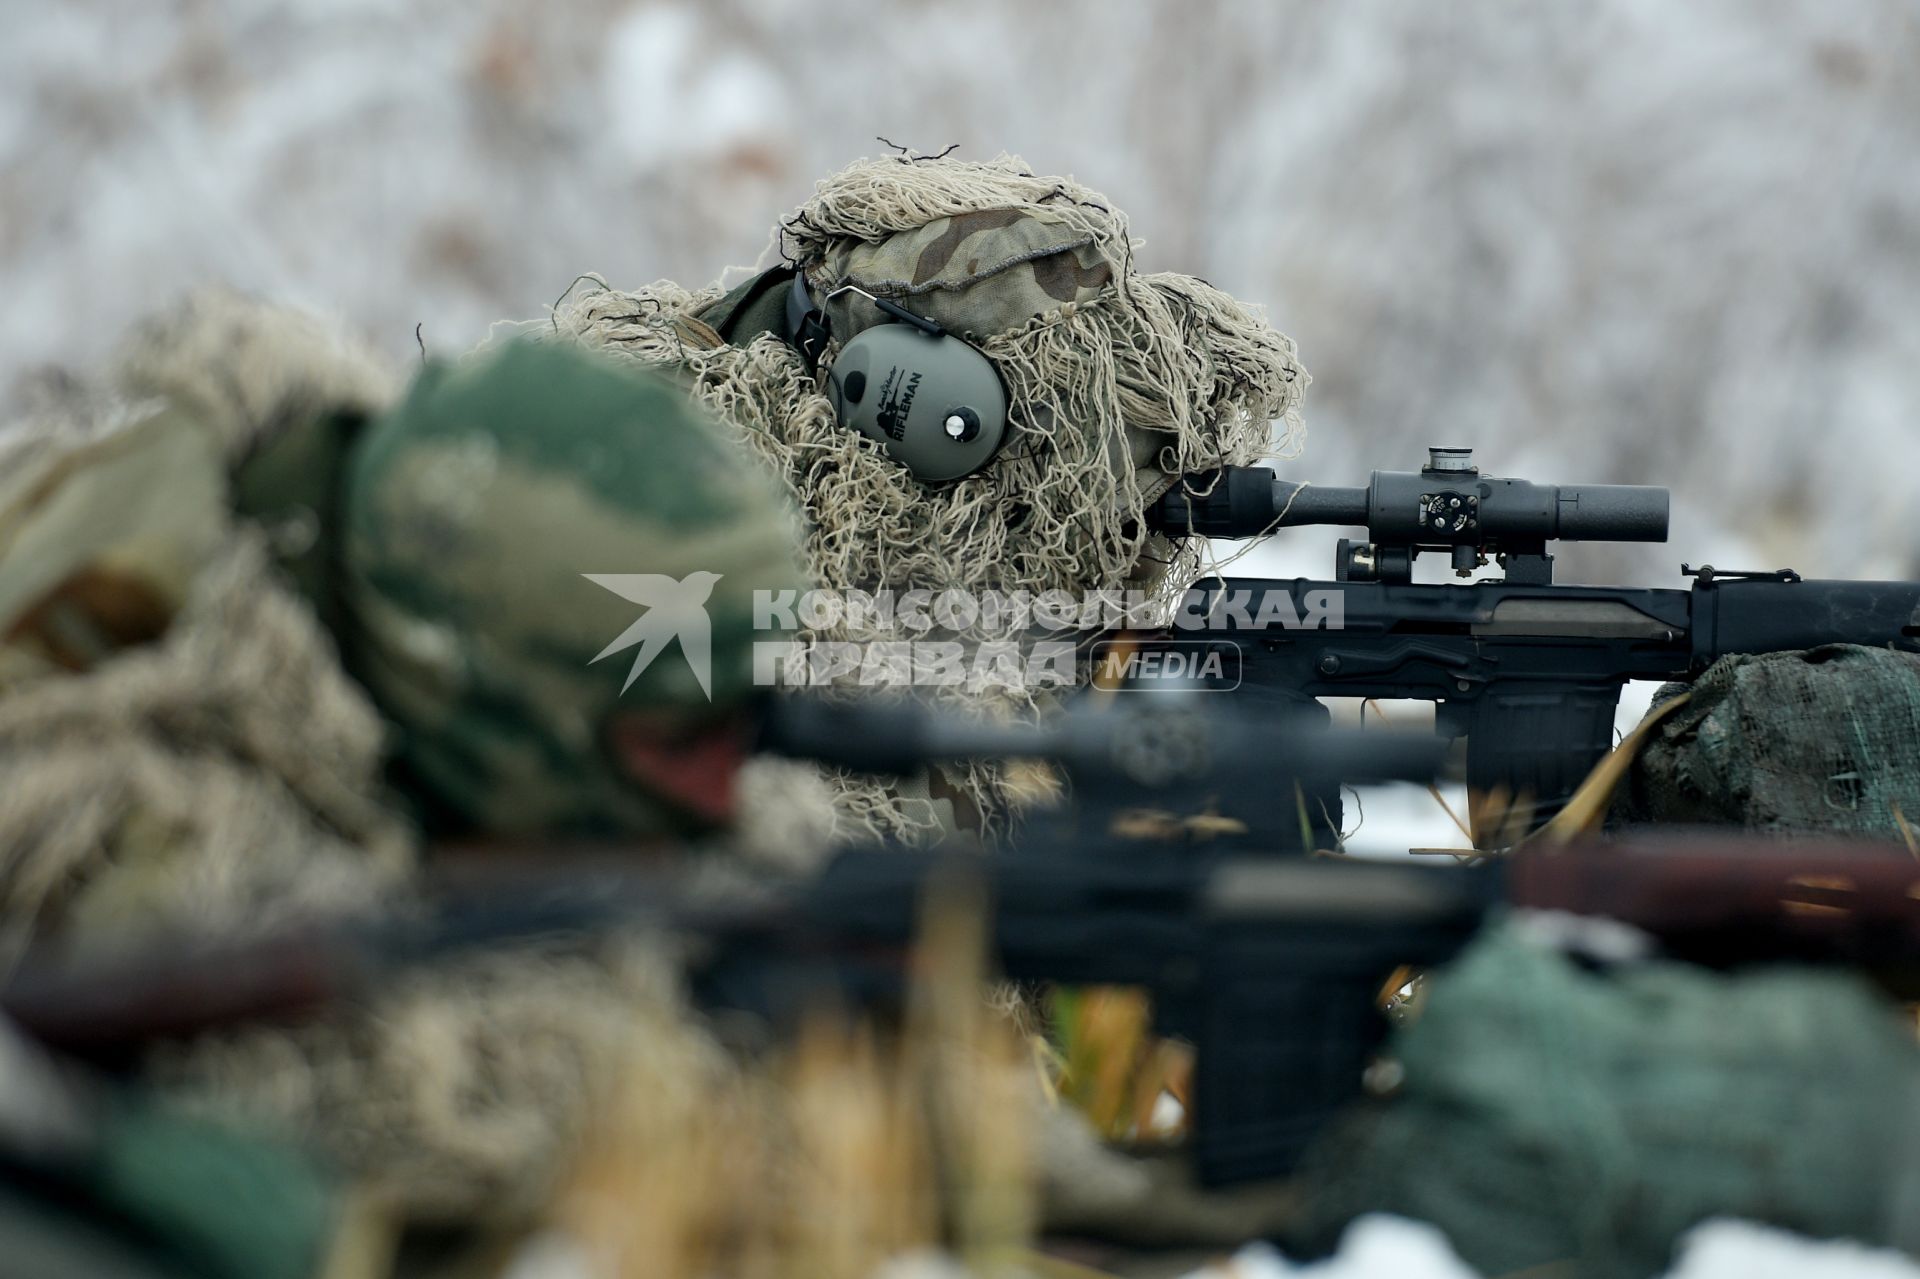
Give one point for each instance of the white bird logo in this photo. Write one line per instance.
(674, 609)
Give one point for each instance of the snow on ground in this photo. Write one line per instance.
(1375, 1246)
(1384, 1247)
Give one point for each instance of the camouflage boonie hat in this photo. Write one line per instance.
(996, 253)
(1034, 263)
(536, 540)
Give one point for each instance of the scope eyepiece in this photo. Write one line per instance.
(1614, 513)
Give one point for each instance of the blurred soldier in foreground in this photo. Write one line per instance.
(272, 620)
(275, 620)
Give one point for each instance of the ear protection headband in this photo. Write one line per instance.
(934, 401)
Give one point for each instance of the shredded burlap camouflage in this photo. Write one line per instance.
(460, 1092)
(183, 749)
(1116, 387)
(1118, 381)
(180, 744)
(249, 370)
(225, 776)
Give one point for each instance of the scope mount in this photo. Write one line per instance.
(1445, 517)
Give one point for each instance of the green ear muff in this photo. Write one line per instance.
(935, 402)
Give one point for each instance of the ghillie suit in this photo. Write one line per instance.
(178, 740)
(185, 743)
(1117, 382)
(1826, 740)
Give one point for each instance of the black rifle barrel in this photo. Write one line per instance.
(1144, 740)
(1270, 968)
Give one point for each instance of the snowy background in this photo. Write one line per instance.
(1631, 241)
(1621, 241)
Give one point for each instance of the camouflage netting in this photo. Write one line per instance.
(1551, 1113)
(1118, 381)
(1822, 740)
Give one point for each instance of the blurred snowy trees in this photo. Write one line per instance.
(1626, 241)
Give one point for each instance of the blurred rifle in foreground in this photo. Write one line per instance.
(1272, 967)
(1528, 672)
(489, 895)
(1144, 763)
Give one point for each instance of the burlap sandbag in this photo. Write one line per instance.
(1557, 1117)
(1826, 740)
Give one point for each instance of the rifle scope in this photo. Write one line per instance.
(1449, 505)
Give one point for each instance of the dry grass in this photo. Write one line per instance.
(1906, 831)
(848, 1147)
(1112, 1067)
